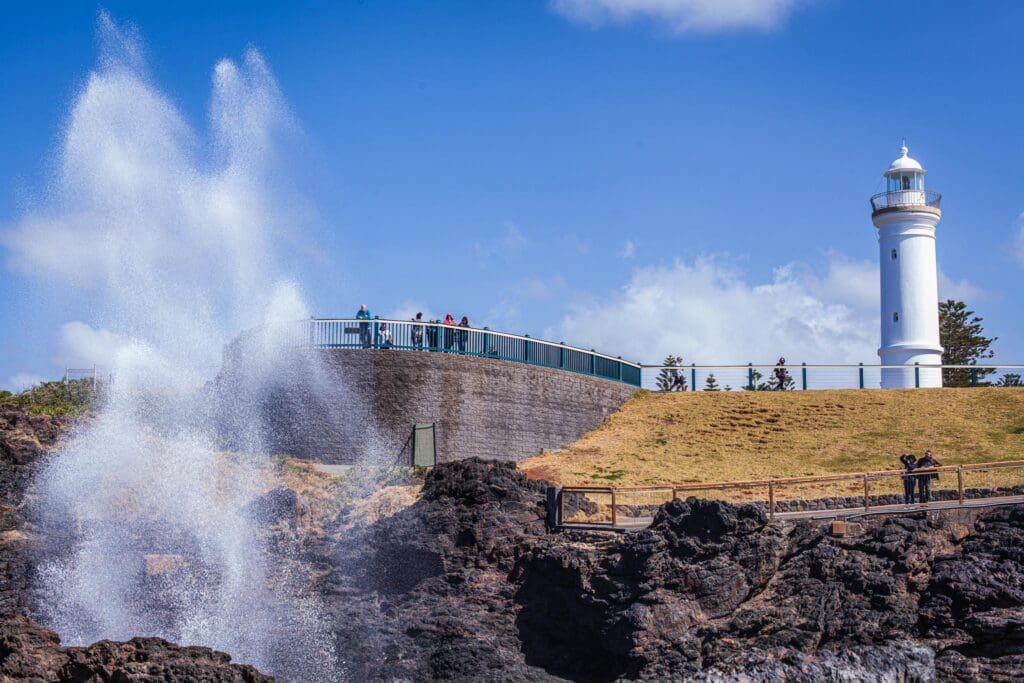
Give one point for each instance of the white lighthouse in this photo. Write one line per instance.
(906, 215)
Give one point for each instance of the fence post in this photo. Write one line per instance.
(750, 376)
(771, 499)
(860, 371)
(593, 362)
(974, 377)
(867, 496)
(526, 347)
(620, 368)
(960, 482)
(673, 493)
(561, 356)
(487, 340)
(693, 376)
(614, 519)
(917, 375)
(803, 374)
(376, 329)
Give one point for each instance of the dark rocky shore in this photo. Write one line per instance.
(468, 584)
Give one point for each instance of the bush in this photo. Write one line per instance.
(54, 398)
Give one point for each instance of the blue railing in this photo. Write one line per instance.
(406, 335)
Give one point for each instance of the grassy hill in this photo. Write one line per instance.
(659, 438)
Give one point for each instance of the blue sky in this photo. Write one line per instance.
(630, 175)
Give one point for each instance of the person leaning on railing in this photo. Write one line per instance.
(385, 340)
(462, 335)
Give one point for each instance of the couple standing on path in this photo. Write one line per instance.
(921, 481)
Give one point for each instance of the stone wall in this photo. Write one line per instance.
(344, 405)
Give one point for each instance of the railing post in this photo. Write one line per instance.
(693, 376)
(674, 493)
(974, 377)
(750, 376)
(526, 347)
(917, 375)
(803, 375)
(614, 517)
(867, 492)
(860, 371)
(593, 362)
(487, 348)
(620, 368)
(771, 499)
(561, 356)
(373, 342)
(960, 482)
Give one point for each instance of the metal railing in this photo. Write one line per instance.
(905, 198)
(352, 333)
(809, 376)
(827, 496)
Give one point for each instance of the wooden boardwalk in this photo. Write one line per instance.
(630, 508)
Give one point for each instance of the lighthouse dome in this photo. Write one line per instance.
(904, 164)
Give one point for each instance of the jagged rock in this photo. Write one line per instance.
(29, 652)
(468, 584)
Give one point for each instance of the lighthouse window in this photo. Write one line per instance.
(906, 182)
(893, 254)
(895, 317)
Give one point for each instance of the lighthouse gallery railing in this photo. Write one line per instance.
(905, 198)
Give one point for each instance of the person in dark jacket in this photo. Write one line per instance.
(417, 331)
(462, 335)
(924, 481)
(909, 463)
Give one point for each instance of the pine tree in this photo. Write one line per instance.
(667, 377)
(755, 383)
(963, 343)
(711, 384)
(1010, 379)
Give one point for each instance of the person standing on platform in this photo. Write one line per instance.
(924, 481)
(909, 463)
(364, 328)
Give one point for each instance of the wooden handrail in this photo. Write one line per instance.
(853, 476)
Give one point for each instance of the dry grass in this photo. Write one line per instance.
(659, 438)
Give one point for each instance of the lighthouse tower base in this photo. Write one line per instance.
(918, 375)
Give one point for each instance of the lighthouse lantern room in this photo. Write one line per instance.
(906, 215)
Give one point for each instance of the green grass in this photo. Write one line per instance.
(54, 398)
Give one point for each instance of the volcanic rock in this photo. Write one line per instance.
(29, 652)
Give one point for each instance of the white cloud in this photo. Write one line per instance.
(82, 346)
(961, 290)
(23, 381)
(628, 249)
(710, 312)
(680, 16)
(408, 309)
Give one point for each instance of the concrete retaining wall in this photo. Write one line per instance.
(343, 405)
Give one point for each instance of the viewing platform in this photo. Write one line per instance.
(407, 335)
